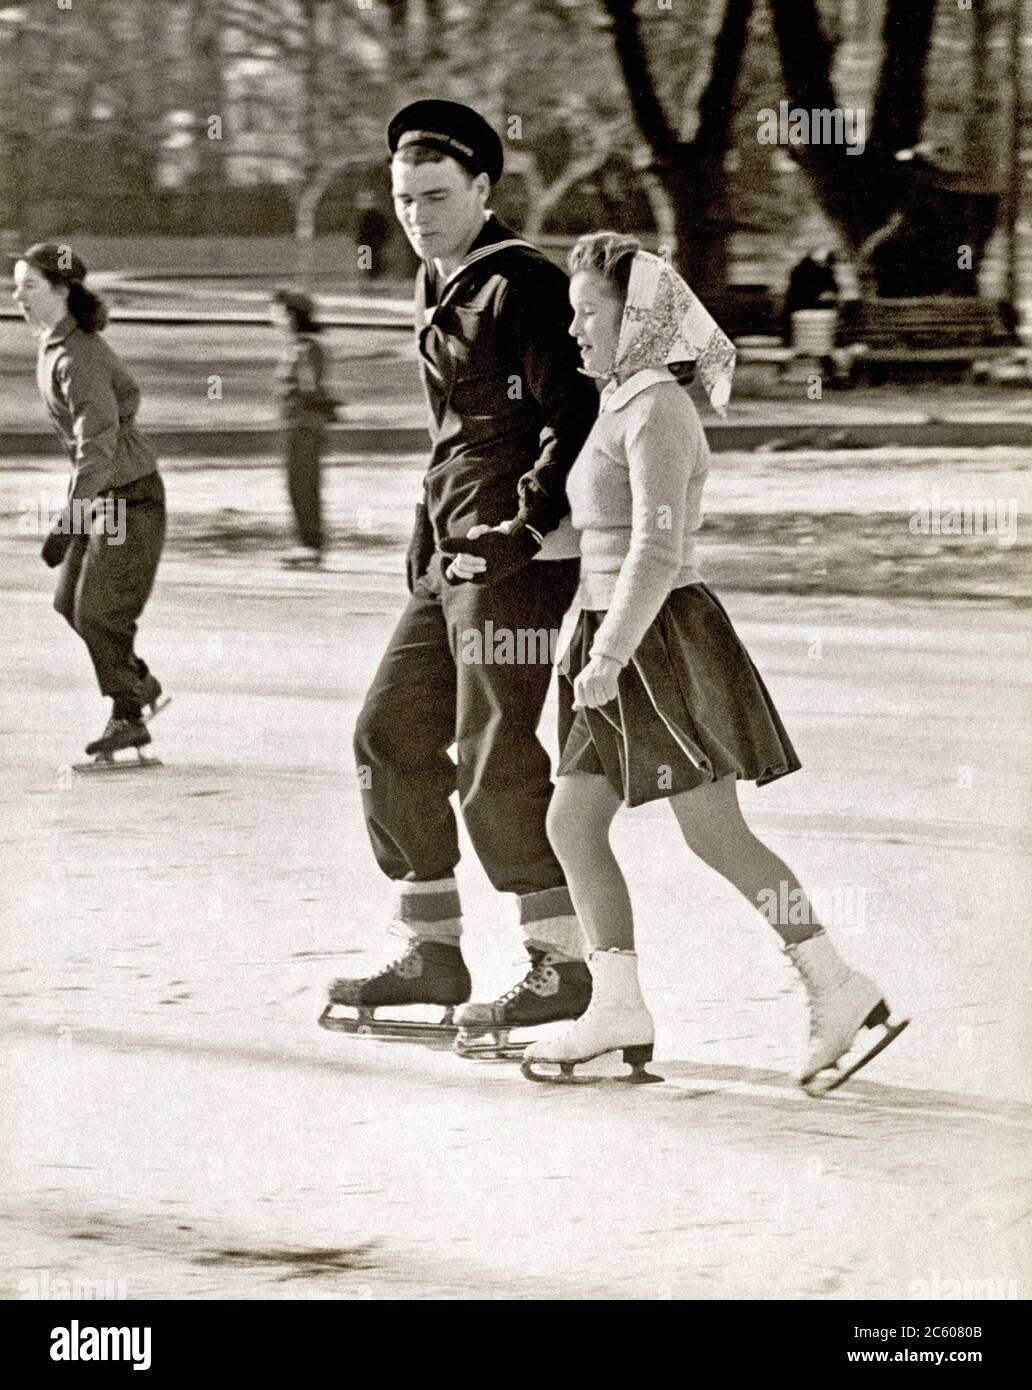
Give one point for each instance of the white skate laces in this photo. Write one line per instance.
(409, 964)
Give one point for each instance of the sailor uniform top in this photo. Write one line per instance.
(636, 501)
(92, 401)
(509, 409)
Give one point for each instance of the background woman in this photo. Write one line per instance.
(659, 698)
(106, 572)
(305, 409)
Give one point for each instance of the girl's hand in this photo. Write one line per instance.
(466, 565)
(596, 684)
(502, 548)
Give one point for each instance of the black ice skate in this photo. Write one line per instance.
(428, 972)
(552, 991)
(119, 735)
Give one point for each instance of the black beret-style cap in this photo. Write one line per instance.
(59, 262)
(453, 129)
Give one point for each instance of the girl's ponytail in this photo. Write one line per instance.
(87, 309)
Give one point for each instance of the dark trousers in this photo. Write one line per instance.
(427, 696)
(103, 586)
(304, 445)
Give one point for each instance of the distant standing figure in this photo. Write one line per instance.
(109, 536)
(372, 232)
(305, 409)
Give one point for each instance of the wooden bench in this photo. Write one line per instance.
(915, 334)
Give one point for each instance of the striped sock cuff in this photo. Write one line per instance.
(550, 902)
(550, 923)
(433, 902)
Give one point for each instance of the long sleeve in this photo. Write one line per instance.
(89, 394)
(537, 312)
(661, 455)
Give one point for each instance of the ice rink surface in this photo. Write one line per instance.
(175, 1120)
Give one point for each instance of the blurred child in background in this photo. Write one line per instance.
(305, 409)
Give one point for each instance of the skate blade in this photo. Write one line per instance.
(490, 1052)
(566, 1076)
(818, 1087)
(440, 1035)
(110, 762)
(489, 1045)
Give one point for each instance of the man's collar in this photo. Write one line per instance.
(494, 229)
(493, 236)
(491, 231)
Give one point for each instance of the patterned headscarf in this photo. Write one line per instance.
(663, 323)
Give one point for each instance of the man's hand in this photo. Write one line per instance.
(420, 549)
(489, 553)
(55, 547)
(596, 684)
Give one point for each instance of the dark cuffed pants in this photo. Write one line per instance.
(425, 698)
(304, 447)
(103, 586)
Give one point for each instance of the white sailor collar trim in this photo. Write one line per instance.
(479, 255)
(616, 397)
(474, 257)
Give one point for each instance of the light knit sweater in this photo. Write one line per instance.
(635, 495)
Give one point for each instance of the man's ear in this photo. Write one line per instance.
(483, 186)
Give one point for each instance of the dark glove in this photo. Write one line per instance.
(55, 547)
(504, 551)
(421, 548)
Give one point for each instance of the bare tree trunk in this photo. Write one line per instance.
(208, 102)
(899, 102)
(1015, 173)
(981, 103)
(858, 192)
(662, 208)
(310, 160)
(398, 38)
(691, 173)
(435, 46)
(310, 90)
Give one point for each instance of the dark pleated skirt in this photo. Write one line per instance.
(691, 707)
